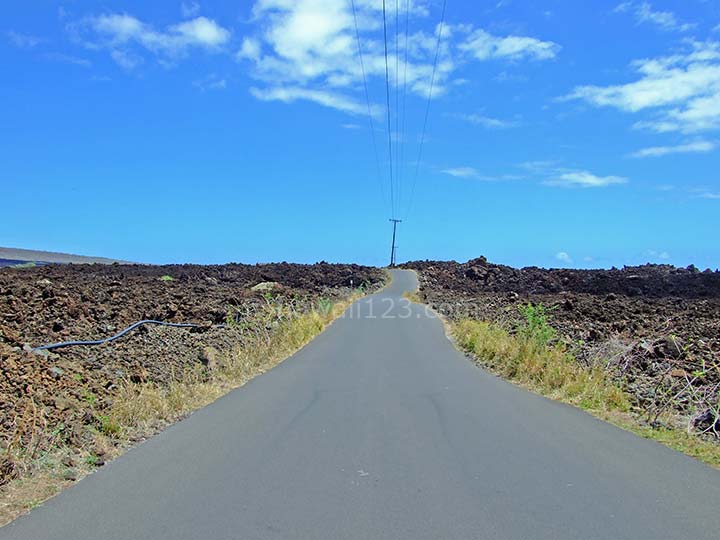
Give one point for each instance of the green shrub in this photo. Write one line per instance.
(535, 326)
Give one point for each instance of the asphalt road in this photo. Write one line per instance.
(380, 429)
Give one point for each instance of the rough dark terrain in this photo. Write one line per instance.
(657, 327)
(57, 303)
(380, 429)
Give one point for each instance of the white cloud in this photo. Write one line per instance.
(541, 167)
(350, 126)
(704, 194)
(189, 9)
(201, 32)
(68, 59)
(290, 94)
(126, 60)
(644, 13)
(505, 76)
(474, 174)
(662, 255)
(486, 121)
(563, 257)
(311, 44)
(211, 82)
(687, 148)
(682, 91)
(583, 179)
(485, 46)
(120, 32)
(553, 173)
(24, 41)
(250, 50)
(462, 172)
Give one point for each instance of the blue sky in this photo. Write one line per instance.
(560, 133)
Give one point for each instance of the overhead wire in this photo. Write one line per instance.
(398, 177)
(427, 108)
(396, 157)
(369, 107)
(401, 138)
(389, 121)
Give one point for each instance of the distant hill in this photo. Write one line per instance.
(14, 257)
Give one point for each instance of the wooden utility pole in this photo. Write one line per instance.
(392, 251)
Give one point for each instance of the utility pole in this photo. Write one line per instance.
(392, 251)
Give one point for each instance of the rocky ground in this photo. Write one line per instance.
(656, 327)
(60, 392)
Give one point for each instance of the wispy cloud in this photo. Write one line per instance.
(462, 172)
(695, 147)
(126, 59)
(474, 174)
(486, 121)
(485, 46)
(23, 41)
(68, 59)
(189, 9)
(682, 91)
(211, 82)
(662, 255)
(706, 194)
(583, 179)
(123, 35)
(554, 173)
(291, 94)
(645, 13)
(541, 167)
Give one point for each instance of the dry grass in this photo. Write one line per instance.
(139, 410)
(142, 406)
(548, 369)
(413, 296)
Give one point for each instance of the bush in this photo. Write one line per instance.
(535, 326)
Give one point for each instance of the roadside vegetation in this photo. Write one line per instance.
(143, 405)
(413, 296)
(531, 355)
(43, 462)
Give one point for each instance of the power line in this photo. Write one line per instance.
(367, 100)
(398, 178)
(402, 142)
(427, 108)
(389, 121)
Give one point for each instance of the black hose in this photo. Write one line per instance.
(113, 338)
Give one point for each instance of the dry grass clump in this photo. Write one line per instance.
(532, 357)
(144, 405)
(413, 296)
(544, 368)
(36, 470)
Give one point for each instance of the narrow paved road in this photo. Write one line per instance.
(380, 429)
